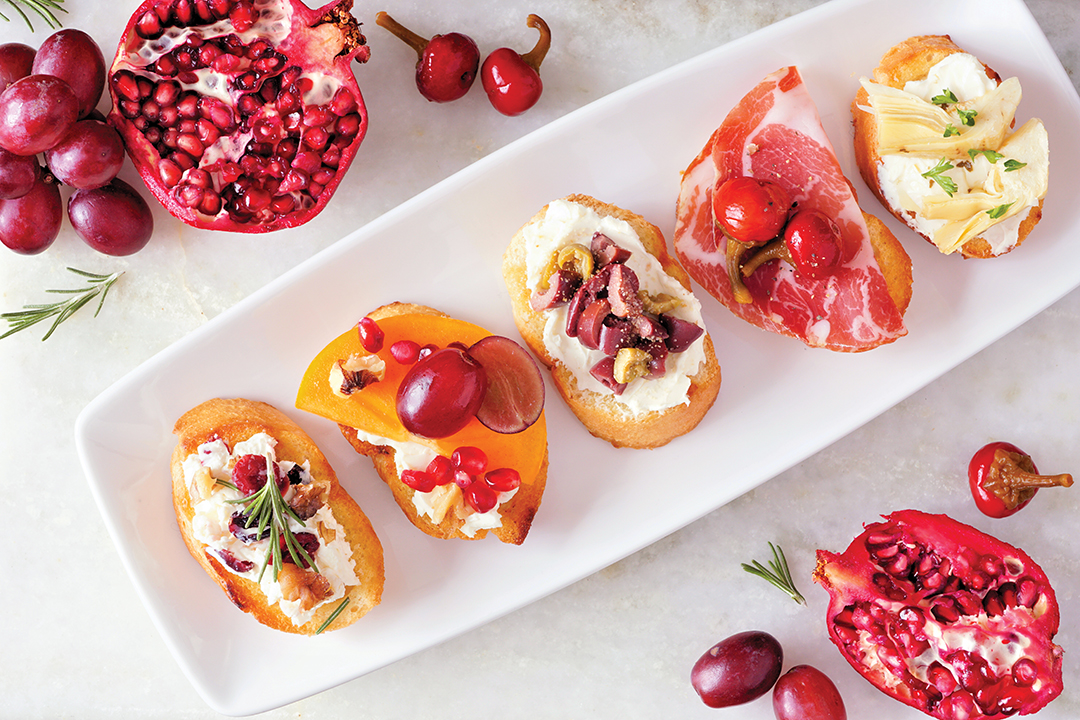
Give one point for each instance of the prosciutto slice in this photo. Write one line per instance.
(775, 134)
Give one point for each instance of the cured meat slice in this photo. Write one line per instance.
(775, 134)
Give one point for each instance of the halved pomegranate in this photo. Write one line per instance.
(944, 617)
(240, 115)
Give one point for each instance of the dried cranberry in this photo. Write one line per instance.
(234, 563)
(249, 474)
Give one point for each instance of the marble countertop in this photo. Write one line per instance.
(619, 643)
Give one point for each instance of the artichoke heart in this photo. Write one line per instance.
(968, 215)
(908, 124)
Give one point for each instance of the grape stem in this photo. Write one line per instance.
(778, 573)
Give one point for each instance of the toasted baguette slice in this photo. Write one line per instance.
(912, 60)
(603, 415)
(517, 514)
(236, 420)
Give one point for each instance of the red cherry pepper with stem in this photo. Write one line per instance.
(512, 81)
(446, 64)
(1004, 479)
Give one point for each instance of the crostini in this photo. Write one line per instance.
(302, 558)
(934, 140)
(450, 415)
(598, 298)
(769, 225)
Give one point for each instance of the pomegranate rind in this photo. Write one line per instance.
(895, 658)
(323, 42)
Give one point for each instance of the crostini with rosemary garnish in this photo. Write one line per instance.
(297, 553)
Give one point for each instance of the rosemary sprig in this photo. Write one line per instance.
(44, 8)
(266, 509)
(778, 574)
(33, 314)
(333, 616)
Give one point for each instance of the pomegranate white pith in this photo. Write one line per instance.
(240, 115)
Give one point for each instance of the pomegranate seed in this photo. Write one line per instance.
(993, 604)
(294, 180)
(208, 54)
(190, 144)
(269, 64)
(255, 199)
(188, 105)
(249, 105)
(207, 132)
(405, 352)
(1027, 592)
(225, 63)
(170, 172)
(322, 176)
(186, 58)
(1024, 672)
(282, 204)
(441, 469)
(183, 160)
(199, 178)
(258, 48)
(288, 101)
(471, 459)
(293, 121)
(418, 480)
(463, 479)
(503, 479)
(332, 157)
(149, 26)
(152, 135)
(343, 102)
(941, 678)
(189, 195)
(991, 565)
(183, 12)
(946, 610)
(211, 204)
(481, 497)
(318, 116)
(304, 85)
(307, 162)
(315, 190)
(286, 149)
(247, 81)
(242, 17)
(125, 86)
(276, 169)
(145, 87)
(166, 66)
(203, 11)
(371, 335)
(316, 138)
(169, 116)
(348, 125)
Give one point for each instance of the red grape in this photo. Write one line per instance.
(29, 224)
(16, 61)
(88, 157)
(441, 393)
(18, 173)
(36, 112)
(737, 670)
(113, 219)
(806, 693)
(74, 57)
(515, 387)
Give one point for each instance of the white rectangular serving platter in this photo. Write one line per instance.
(443, 248)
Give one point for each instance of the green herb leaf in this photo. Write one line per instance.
(1011, 165)
(266, 509)
(1000, 210)
(991, 155)
(33, 314)
(950, 130)
(967, 116)
(44, 8)
(333, 616)
(945, 98)
(937, 174)
(778, 573)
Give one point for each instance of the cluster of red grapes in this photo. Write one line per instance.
(47, 108)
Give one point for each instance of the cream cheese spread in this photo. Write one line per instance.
(991, 199)
(566, 223)
(213, 513)
(416, 456)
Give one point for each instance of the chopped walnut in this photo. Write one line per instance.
(303, 584)
(355, 373)
(202, 484)
(307, 499)
(443, 498)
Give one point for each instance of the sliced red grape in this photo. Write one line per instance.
(88, 157)
(29, 224)
(113, 219)
(515, 387)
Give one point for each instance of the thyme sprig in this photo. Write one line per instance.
(44, 8)
(937, 174)
(777, 573)
(266, 509)
(62, 310)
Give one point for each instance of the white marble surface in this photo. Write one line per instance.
(76, 640)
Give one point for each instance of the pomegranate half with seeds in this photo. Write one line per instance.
(944, 617)
(240, 115)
